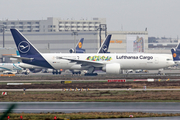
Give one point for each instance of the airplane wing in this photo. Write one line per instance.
(86, 62)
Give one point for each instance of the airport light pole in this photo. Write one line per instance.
(74, 34)
(3, 34)
(102, 27)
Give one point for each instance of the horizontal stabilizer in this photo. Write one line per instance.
(21, 58)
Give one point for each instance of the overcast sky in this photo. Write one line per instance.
(161, 17)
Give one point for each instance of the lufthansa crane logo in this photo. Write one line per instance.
(23, 47)
(80, 45)
(104, 48)
(174, 55)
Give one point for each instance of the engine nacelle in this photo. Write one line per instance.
(71, 50)
(112, 68)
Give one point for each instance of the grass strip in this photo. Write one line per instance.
(88, 115)
(92, 96)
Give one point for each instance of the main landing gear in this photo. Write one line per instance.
(76, 72)
(56, 72)
(90, 72)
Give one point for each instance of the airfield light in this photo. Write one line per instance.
(55, 118)
(8, 117)
(21, 117)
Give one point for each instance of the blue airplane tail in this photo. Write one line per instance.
(79, 46)
(176, 53)
(27, 50)
(104, 47)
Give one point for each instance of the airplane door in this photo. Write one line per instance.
(156, 60)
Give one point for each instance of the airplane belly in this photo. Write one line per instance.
(62, 65)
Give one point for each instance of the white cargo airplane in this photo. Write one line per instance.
(111, 63)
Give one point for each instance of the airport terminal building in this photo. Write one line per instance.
(58, 36)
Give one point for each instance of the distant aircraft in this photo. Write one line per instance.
(12, 68)
(110, 63)
(105, 45)
(176, 54)
(78, 48)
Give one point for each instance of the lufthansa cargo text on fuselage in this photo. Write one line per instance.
(134, 57)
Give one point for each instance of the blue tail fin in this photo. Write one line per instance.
(104, 47)
(24, 47)
(176, 53)
(27, 50)
(80, 43)
(79, 46)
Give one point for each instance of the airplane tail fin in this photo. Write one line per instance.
(17, 53)
(79, 46)
(104, 47)
(25, 48)
(29, 54)
(176, 53)
(80, 43)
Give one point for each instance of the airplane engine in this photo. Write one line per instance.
(112, 68)
(36, 70)
(71, 50)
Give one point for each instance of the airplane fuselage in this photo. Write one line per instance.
(127, 61)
